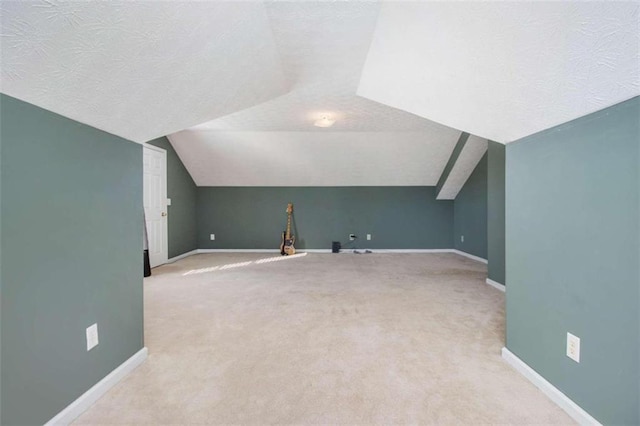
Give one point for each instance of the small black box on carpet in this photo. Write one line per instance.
(335, 247)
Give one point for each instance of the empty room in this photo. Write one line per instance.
(319, 212)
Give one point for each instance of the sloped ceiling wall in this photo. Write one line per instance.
(313, 158)
(498, 70)
(322, 46)
(139, 69)
(503, 70)
(466, 162)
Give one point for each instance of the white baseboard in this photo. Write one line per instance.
(362, 250)
(470, 256)
(238, 251)
(182, 256)
(87, 399)
(407, 250)
(562, 400)
(342, 250)
(496, 284)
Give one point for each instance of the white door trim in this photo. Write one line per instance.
(153, 147)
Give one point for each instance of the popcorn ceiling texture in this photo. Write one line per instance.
(504, 70)
(322, 48)
(146, 69)
(139, 69)
(314, 159)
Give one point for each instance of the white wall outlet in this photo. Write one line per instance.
(168, 201)
(462, 238)
(92, 336)
(369, 237)
(212, 237)
(573, 347)
(352, 237)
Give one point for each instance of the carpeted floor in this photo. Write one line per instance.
(324, 338)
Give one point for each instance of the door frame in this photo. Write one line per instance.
(165, 224)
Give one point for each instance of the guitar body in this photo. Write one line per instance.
(286, 246)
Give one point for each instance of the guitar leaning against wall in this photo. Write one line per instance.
(286, 246)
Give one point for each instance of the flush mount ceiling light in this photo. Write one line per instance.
(325, 121)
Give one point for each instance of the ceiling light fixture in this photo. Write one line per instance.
(324, 122)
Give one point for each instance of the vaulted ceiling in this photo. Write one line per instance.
(237, 86)
(139, 69)
(504, 70)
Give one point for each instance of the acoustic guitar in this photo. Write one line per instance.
(286, 246)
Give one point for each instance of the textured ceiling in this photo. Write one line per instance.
(235, 158)
(248, 79)
(504, 70)
(322, 46)
(467, 161)
(139, 69)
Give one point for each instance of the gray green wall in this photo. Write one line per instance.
(71, 256)
(496, 211)
(254, 217)
(572, 239)
(470, 213)
(182, 216)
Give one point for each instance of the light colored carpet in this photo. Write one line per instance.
(324, 338)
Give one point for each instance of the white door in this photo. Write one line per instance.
(155, 203)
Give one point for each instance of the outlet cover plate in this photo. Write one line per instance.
(92, 336)
(573, 347)
(212, 237)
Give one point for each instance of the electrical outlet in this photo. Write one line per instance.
(212, 237)
(369, 237)
(573, 347)
(352, 237)
(92, 336)
(462, 238)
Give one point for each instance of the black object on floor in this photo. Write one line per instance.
(145, 246)
(335, 247)
(147, 265)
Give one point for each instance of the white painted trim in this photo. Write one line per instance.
(470, 256)
(407, 250)
(182, 256)
(342, 250)
(496, 284)
(362, 250)
(562, 400)
(153, 147)
(87, 399)
(238, 251)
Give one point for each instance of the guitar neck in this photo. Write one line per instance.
(288, 235)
